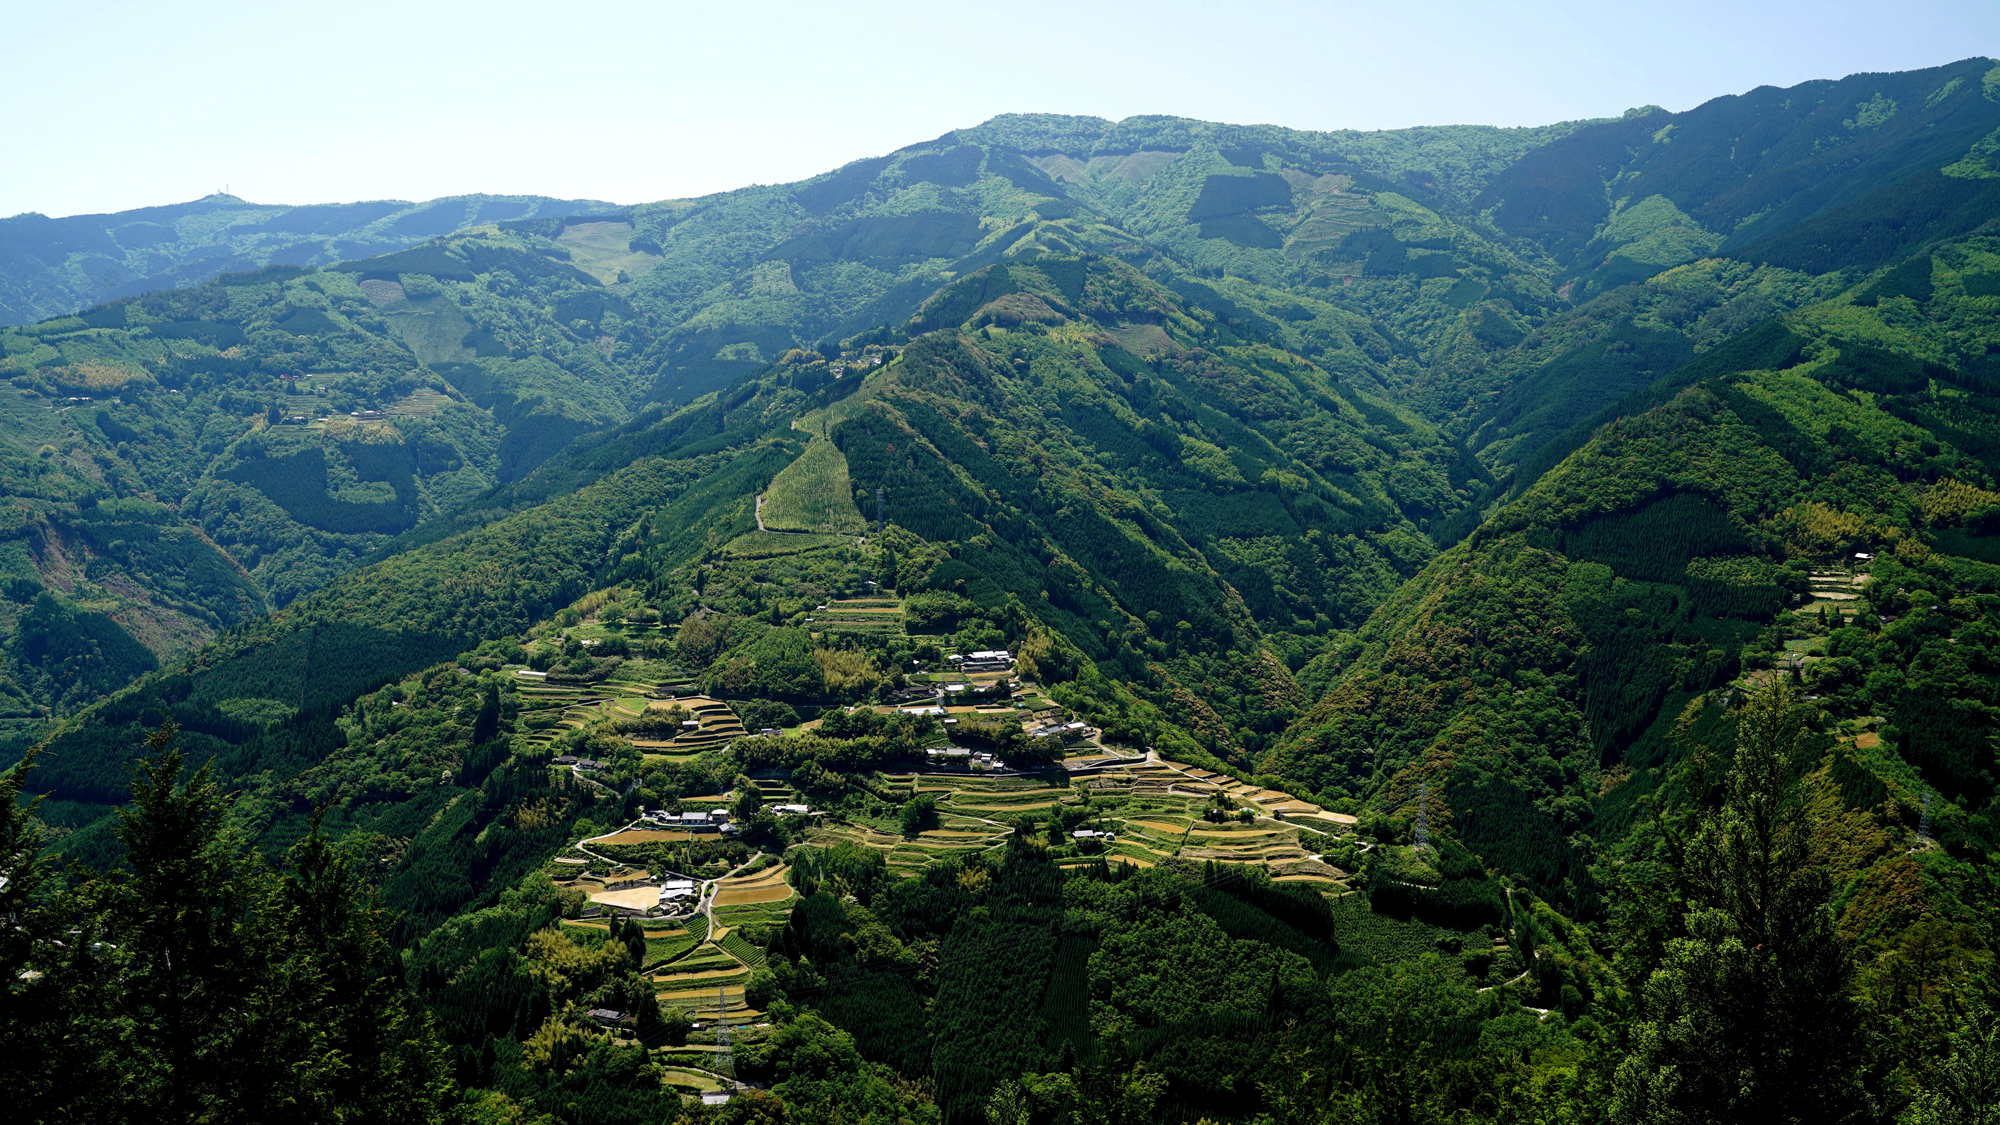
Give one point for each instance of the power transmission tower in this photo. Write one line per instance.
(878, 509)
(1423, 816)
(1924, 825)
(725, 1056)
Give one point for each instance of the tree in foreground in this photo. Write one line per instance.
(1748, 1014)
(197, 985)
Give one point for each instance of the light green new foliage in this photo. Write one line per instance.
(814, 494)
(1655, 232)
(1981, 162)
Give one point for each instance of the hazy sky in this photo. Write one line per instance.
(114, 105)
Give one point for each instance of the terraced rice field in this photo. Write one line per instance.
(1155, 809)
(719, 724)
(876, 615)
(765, 886)
(549, 708)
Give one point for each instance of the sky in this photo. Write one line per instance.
(113, 105)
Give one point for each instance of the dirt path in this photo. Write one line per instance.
(772, 530)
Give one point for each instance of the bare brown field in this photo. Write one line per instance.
(635, 898)
(741, 896)
(642, 836)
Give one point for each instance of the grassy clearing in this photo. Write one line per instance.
(688, 1079)
(604, 251)
(675, 757)
(771, 544)
(813, 493)
(419, 404)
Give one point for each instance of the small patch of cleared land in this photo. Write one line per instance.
(418, 404)
(690, 1079)
(632, 898)
(771, 544)
(604, 251)
(642, 836)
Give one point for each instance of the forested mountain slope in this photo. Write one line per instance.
(744, 275)
(1815, 177)
(1563, 711)
(280, 426)
(1026, 447)
(1739, 209)
(53, 267)
(1082, 457)
(1387, 259)
(1813, 500)
(184, 459)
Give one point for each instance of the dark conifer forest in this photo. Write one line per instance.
(1069, 623)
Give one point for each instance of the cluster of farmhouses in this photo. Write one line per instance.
(714, 820)
(676, 892)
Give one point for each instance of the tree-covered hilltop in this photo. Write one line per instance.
(1819, 176)
(1812, 502)
(1669, 233)
(54, 267)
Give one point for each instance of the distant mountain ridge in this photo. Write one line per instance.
(52, 267)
